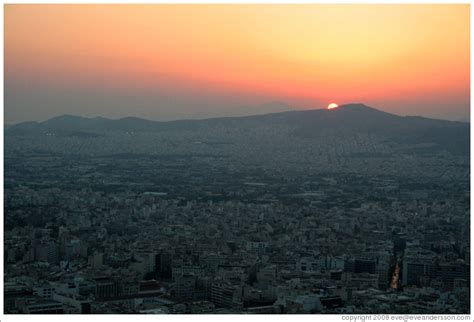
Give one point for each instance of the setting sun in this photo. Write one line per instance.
(332, 105)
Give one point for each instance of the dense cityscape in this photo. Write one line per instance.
(238, 215)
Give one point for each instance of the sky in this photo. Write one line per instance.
(165, 62)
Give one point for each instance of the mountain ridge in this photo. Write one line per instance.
(344, 107)
(347, 121)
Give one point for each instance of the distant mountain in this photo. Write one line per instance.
(346, 121)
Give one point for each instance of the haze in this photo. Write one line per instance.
(166, 62)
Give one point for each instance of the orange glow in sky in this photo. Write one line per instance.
(303, 54)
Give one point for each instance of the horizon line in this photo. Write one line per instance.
(226, 117)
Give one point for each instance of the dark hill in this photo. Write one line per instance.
(346, 121)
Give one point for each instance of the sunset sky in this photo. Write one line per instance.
(166, 62)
